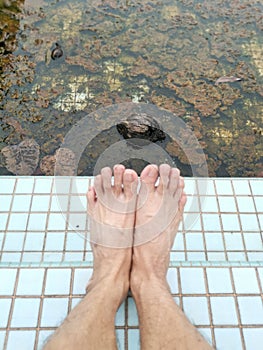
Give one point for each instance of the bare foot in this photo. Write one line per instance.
(158, 215)
(112, 215)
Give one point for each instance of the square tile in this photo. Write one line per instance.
(52, 256)
(11, 257)
(249, 222)
(251, 310)
(40, 203)
(255, 256)
(61, 185)
(209, 204)
(219, 280)
(37, 222)
(3, 221)
(57, 281)
(7, 185)
(196, 309)
(54, 311)
(31, 257)
(134, 339)
(230, 222)
(55, 241)
(78, 203)
(59, 203)
(223, 187)
(211, 222)
(216, 256)
(227, 204)
(223, 311)
(233, 241)
(253, 241)
(81, 278)
(14, 241)
(5, 305)
(192, 280)
(192, 222)
(43, 185)
(253, 338)
(74, 241)
(9, 277)
(194, 241)
(196, 256)
(34, 241)
(25, 312)
(30, 282)
(256, 186)
(24, 185)
(241, 187)
(21, 203)
(259, 204)
(77, 221)
(132, 313)
(120, 315)
(80, 185)
(206, 187)
(245, 280)
(5, 202)
(245, 204)
(17, 222)
(172, 280)
(73, 256)
(228, 338)
(236, 256)
(214, 241)
(192, 204)
(21, 339)
(57, 221)
(177, 256)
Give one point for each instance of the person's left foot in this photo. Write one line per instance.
(111, 211)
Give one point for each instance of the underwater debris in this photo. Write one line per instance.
(57, 52)
(226, 79)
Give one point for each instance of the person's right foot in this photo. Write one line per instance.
(158, 215)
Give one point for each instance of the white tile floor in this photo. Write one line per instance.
(216, 272)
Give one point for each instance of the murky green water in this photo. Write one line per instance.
(167, 53)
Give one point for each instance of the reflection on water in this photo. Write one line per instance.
(165, 53)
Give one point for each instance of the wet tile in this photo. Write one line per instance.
(233, 241)
(42, 338)
(55, 241)
(57, 221)
(34, 241)
(196, 309)
(172, 280)
(245, 204)
(43, 185)
(132, 313)
(230, 222)
(223, 311)
(54, 311)
(7, 185)
(209, 204)
(78, 203)
(120, 338)
(253, 338)
(214, 241)
(5, 309)
(249, 222)
(259, 204)
(227, 204)
(245, 280)
(241, 187)
(30, 282)
(194, 241)
(17, 222)
(253, 241)
(21, 203)
(223, 187)
(57, 281)
(22, 340)
(192, 280)
(219, 280)
(24, 185)
(192, 204)
(251, 310)
(211, 222)
(40, 203)
(256, 186)
(14, 241)
(206, 187)
(59, 203)
(134, 339)
(37, 222)
(7, 278)
(81, 278)
(5, 202)
(228, 338)
(25, 312)
(74, 241)
(120, 315)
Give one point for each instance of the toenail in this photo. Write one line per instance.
(129, 176)
(152, 172)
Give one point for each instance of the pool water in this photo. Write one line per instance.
(166, 53)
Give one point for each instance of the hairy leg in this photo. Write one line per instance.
(90, 325)
(163, 325)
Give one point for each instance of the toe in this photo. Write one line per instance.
(98, 185)
(164, 170)
(182, 202)
(91, 197)
(106, 174)
(149, 176)
(130, 181)
(118, 171)
(174, 179)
